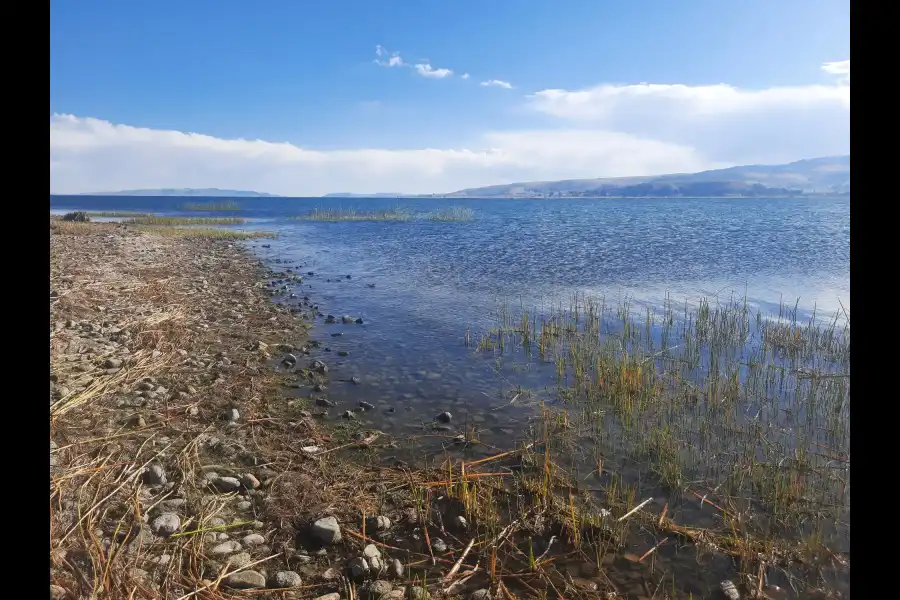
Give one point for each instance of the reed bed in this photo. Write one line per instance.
(741, 414)
(397, 213)
(211, 206)
(174, 221)
(453, 213)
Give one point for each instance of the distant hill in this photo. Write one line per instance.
(827, 175)
(188, 192)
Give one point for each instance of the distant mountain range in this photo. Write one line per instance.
(817, 176)
(188, 192)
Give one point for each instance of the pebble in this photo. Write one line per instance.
(112, 363)
(439, 545)
(348, 415)
(331, 574)
(226, 484)
(332, 596)
(249, 481)
(241, 559)
(254, 539)
(166, 524)
(366, 406)
(244, 505)
(461, 522)
(418, 593)
(355, 380)
(359, 568)
(60, 593)
(380, 523)
(286, 579)
(371, 551)
(224, 548)
(378, 588)
(231, 415)
(444, 417)
(481, 595)
(376, 565)
(343, 353)
(729, 590)
(396, 568)
(155, 475)
(326, 530)
(245, 580)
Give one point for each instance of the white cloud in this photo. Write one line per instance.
(393, 59)
(426, 70)
(94, 155)
(723, 122)
(464, 76)
(497, 83)
(840, 68)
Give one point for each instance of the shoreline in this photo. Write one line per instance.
(190, 480)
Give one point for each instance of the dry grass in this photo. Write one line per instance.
(174, 221)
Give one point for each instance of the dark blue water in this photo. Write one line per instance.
(433, 280)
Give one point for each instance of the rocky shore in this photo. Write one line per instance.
(178, 468)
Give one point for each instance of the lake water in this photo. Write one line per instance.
(434, 280)
(420, 285)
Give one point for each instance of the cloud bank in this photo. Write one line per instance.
(603, 131)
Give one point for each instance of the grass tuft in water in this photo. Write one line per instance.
(398, 213)
(211, 206)
(452, 213)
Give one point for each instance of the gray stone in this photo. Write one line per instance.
(241, 559)
(396, 569)
(371, 551)
(331, 574)
(326, 530)
(286, 579)
(332, 596)
(348, 415)
(254, 539)
(380, 523)
(112, 363)
(60, 593)
(376, 589)
(481, 595)
(231, 415)
(244, 505)
(166, 524)
(227, 484)
(155, 475)
(444, 417)
(249, 481)
(229, 547)
(376, 565)
(245, 580)
(359, 568)
(460, 522)
(439, 545)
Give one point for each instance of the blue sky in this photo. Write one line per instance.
(295, 98)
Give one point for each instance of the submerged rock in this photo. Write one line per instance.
(444, 417)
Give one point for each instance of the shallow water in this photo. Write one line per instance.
(434, 280)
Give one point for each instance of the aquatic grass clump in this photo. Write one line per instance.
(398, 213)
(211, 233)
(211, 206)
(746, 413)
(174, 221)
(452, 213)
